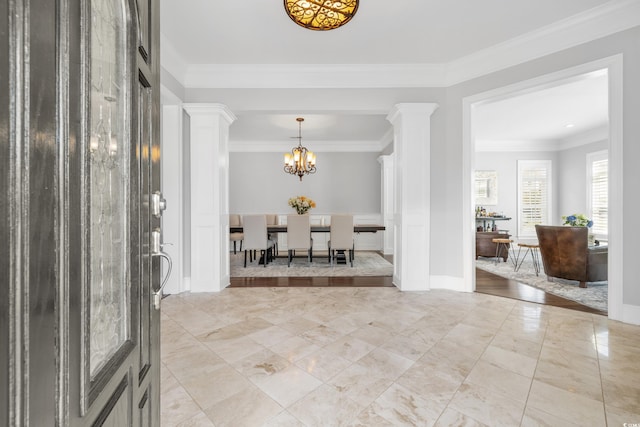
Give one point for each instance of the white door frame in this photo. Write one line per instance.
(613, 65)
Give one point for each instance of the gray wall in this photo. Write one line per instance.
(506, 165)
(569, 174)
(572, 177)
(449, 164)
(344, 182)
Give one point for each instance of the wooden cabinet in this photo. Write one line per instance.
(485, 246)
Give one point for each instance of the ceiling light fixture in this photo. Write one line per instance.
(321, 15)
(300, 161)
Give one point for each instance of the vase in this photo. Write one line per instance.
(591, 239)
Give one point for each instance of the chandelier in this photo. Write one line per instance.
(321, 14)
(300, 161)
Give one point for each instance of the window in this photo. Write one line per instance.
(534, 195)
(598, 192)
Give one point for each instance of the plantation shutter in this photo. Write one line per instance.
(600, 195)
(534, 194)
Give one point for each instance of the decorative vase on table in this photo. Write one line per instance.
(301, 204)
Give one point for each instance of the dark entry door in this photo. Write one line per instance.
(80, 212)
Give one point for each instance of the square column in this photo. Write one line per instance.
(412, 195)
(386, 198)
(209, 126)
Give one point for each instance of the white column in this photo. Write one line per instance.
(209, 196)
(412, 180)
(386, 198)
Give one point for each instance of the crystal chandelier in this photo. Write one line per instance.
(321, 14)
(300, 161)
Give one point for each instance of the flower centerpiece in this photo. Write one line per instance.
(577, 220)
(301, 204)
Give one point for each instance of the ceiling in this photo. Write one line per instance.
(425, 32)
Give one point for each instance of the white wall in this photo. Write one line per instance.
(343, 183)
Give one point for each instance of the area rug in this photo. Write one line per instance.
(595, 295)
(365, 264)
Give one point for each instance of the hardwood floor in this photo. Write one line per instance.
(486, 283)
(489, 283)
(361, 281)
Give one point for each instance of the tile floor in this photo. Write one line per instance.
(381, 357)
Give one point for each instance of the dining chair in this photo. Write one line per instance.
(235, 220)
(299, 236)
(341, 236)
(272, 219)
(255, 238)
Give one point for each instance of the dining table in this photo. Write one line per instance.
(316, 228)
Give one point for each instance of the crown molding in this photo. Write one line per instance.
(491, 146)
(607, 19)
(591, 136)
(612, 17)
(245, 146)
(594, 135)
(314, 76)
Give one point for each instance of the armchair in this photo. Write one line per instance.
(566, 254)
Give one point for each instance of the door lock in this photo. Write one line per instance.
(158, 204)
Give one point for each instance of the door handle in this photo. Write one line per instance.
(156, 251)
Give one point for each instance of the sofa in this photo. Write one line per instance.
(566, 254)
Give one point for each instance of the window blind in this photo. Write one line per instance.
(600, 196)
(534, 195)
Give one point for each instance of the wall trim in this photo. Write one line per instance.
(631, 314)
(594, 135)
(581, 28)
(450, 283)
(319, 146)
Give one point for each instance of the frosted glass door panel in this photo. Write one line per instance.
(108, 188)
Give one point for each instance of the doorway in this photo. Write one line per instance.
(612, 68)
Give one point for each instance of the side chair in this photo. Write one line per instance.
(299, 236)
(255, 238)
(341, 236)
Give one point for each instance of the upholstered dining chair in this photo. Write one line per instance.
(255, 238)
(272, 219)
(235, 220)
(299, 236)
(341, 236)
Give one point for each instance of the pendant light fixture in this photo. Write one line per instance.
(300, 161)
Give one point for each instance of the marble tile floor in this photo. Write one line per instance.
(381, 357)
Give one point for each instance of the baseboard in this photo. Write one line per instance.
(631, 314)
(186, 284)
(447, 282)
